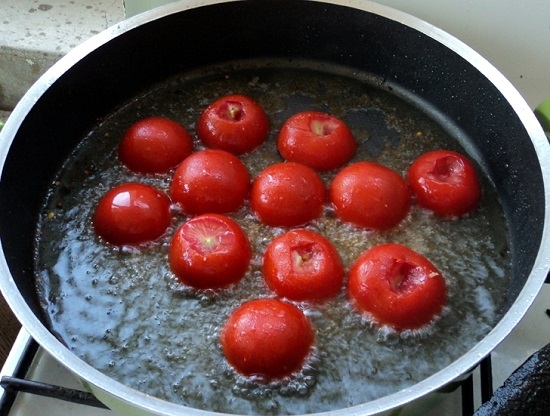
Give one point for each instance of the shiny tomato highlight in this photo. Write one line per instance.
(397, 286)
(370, 195)
(445, 182)
(267, 339)
(131, 214)
(210, 251)
(210, 181)
(287, 195)
(318, 140)
(303, 265)
(234, 123)
(154, 145)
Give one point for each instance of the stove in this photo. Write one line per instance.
(516, 39)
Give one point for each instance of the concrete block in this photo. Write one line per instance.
(34, 34)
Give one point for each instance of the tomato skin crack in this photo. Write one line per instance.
(447, 169)
(318, 140)
(445, 182)
(303, 265)
(405, 277)
(398, 287)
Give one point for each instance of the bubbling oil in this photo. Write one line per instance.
(122, 310)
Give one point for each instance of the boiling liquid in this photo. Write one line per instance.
(122, 310)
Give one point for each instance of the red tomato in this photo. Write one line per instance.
(234, 123)
(287, 195)
(131, 214)
(267, 338)
(397, 287)
(209, 251)
(445, 182)
(154, 145)
(303, 265)
(210, 181)
(370, 196)
(318, 140)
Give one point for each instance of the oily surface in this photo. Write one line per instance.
(122, 310)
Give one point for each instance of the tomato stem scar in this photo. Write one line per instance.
(231, 110)
(322, 127)
(446, 169)
(301, 255)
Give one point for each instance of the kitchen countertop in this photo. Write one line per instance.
(34, 34)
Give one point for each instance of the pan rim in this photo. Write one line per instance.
(398, 399)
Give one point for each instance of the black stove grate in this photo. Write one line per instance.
(485, 386)
(17, 383)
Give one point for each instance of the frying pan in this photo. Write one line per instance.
(448, 80)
